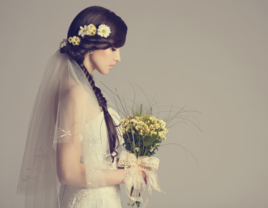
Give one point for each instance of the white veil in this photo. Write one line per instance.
(63, 112)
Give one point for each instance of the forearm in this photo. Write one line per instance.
(77, 177)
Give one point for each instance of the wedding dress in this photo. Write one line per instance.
(66, 110)
(77, 197)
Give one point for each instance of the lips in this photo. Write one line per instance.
(111, 66)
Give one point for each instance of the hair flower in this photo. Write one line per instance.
(104, 30)
(91, 29)
(70, 39)
(74, 40)
(83, 31)
(87, 30)
(63, 43)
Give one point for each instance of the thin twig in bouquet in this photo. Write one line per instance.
(143, 133)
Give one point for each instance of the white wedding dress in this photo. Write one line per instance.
(66, 110)
(103, 197)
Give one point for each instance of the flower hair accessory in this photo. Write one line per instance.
(87, 30)
(74, 40)
(90, 30)
(103, 30)
(63, 43)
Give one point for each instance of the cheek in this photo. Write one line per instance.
(105, 55)
(103, 58)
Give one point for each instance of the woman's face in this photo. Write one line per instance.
(104, 60)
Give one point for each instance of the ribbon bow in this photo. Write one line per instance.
(134, 181)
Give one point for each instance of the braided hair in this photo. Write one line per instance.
(97, 15)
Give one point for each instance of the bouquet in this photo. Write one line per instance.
(143, 133)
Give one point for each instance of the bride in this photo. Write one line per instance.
(74, 134)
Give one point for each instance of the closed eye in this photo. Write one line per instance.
(113, 49)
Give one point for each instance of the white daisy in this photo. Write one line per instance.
(161, 134)
(91, 30)
(83, 31)
(70, 39)
(76, 40)
(63, 43)
(104, 31)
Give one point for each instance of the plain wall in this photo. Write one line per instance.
(209, 56)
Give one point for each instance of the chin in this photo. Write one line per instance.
(107, 72)
(103, 72)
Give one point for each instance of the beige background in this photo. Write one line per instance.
(209, 56)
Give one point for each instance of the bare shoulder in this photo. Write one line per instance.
(76, 93)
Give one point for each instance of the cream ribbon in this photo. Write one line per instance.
(132, 166)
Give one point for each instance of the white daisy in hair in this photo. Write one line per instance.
(63, 43)
(76, 40)
(91, 29)
(83, 31)
(104, 30)
(70, 39)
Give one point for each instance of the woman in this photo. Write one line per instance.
(70, 159)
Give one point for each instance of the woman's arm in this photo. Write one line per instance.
(69, 169)
(71, 172)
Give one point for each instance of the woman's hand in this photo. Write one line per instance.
(141, 172)
(144, 176)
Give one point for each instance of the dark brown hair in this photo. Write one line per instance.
(97, 15)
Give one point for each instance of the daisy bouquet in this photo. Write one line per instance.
(142, 135)
(143, 132)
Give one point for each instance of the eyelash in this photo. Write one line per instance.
(113, 49)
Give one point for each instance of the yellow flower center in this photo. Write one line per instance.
(70, 39)
(84, 30)
(103, 31)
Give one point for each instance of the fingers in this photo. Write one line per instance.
(144, 176)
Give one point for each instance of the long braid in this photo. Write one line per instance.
(97, 15)
(113, 137)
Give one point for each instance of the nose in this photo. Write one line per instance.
(117, 57)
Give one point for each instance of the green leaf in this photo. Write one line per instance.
(149, 140)
(137, 114)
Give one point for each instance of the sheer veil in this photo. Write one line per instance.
(64, 112)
